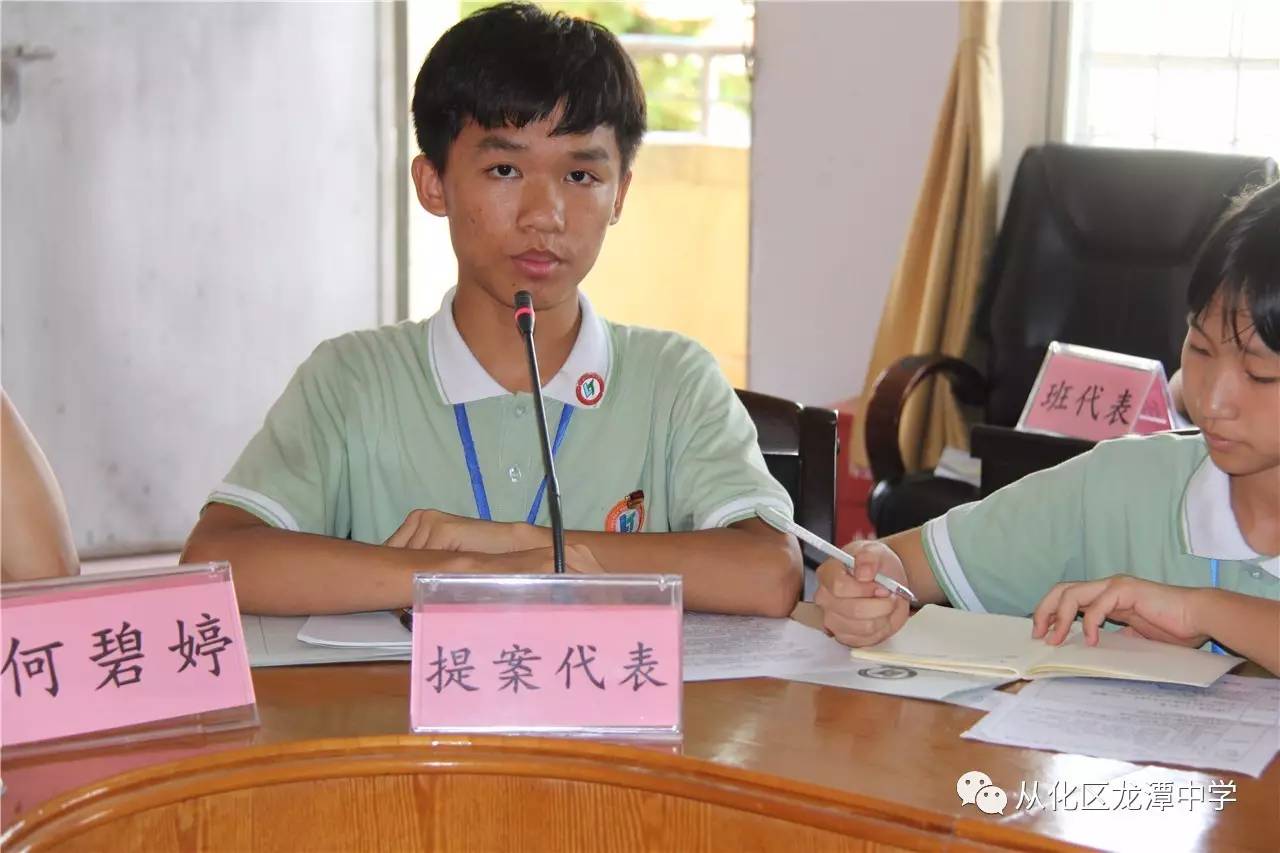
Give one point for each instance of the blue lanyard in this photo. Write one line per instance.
(1213, 579)
(473, 463)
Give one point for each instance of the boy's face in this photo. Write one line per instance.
(527, 210)
(1232, 392)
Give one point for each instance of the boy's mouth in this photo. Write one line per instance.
(536, 263)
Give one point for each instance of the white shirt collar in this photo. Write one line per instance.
(461, 378)
(1209, 525)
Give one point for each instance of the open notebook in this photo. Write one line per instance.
(990, 644)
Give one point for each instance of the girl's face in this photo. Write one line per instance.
(1231, 388)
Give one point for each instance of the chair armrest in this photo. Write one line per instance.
(889, 397)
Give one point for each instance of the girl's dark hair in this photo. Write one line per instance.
(512, 64)
(1241, 261)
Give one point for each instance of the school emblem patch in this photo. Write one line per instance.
(590, 388)
(627, 515)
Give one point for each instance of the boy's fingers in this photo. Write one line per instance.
(422, 536)
(403, 533)
(581, 560)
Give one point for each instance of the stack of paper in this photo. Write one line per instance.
(274, 641)
(379, 631)
(1233, 725)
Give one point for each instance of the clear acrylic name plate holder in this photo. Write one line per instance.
(596, 656)
(101, 660)
(1094, 394)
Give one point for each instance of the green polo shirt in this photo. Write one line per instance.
(1155, 507)
(368, 430)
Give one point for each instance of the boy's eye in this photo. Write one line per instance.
(581, 176)
(1264, 380)
(1198, 350)
(503, 170)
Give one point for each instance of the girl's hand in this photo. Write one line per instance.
(1152, 610)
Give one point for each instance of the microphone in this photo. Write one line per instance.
(524, 322)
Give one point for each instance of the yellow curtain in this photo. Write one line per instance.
(935, 287)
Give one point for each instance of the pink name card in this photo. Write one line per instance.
(546, 667)
(1094, 394)
(94, 654)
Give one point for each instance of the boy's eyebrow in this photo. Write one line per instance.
(595, 154)
(494, 142)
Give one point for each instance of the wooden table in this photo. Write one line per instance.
(861, 754)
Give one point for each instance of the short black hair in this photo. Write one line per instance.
(1241, 260)
(512, 64)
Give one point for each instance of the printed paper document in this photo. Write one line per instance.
(1233, 725)
(273, 641)
(957, 688)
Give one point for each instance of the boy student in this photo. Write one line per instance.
(1173, 536)
(416, 442)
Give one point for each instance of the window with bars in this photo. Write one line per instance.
(697, 88)
(1189, 74)
(693, 57)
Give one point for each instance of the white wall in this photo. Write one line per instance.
(191, 202)
(846, 100)
(432, 267)
(1026, 56)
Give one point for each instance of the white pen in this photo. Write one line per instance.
(779, 521)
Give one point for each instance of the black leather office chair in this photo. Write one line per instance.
(799, 446)
(1095, 249)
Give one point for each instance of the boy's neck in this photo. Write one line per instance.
(1255, 502)
(488, 328)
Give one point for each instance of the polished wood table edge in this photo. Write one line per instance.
(629, 766)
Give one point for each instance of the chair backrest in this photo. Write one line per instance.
(1096, 249)
(799, 446)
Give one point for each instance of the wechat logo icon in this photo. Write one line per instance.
(975, 789)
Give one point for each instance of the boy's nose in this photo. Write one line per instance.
(541, 208)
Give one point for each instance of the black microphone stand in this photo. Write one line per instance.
(525, 321)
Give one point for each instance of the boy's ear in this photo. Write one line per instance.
(620, 198)
(430, 186)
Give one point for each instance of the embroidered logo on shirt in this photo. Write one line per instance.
(627, 515)
(590, 388)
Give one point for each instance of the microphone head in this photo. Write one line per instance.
(524, 311)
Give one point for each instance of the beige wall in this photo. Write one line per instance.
(846, 98)
(678, 257)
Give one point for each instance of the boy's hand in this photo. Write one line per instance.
(856, 610)
(578, 559)
(1152, 610)
(433, 530)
